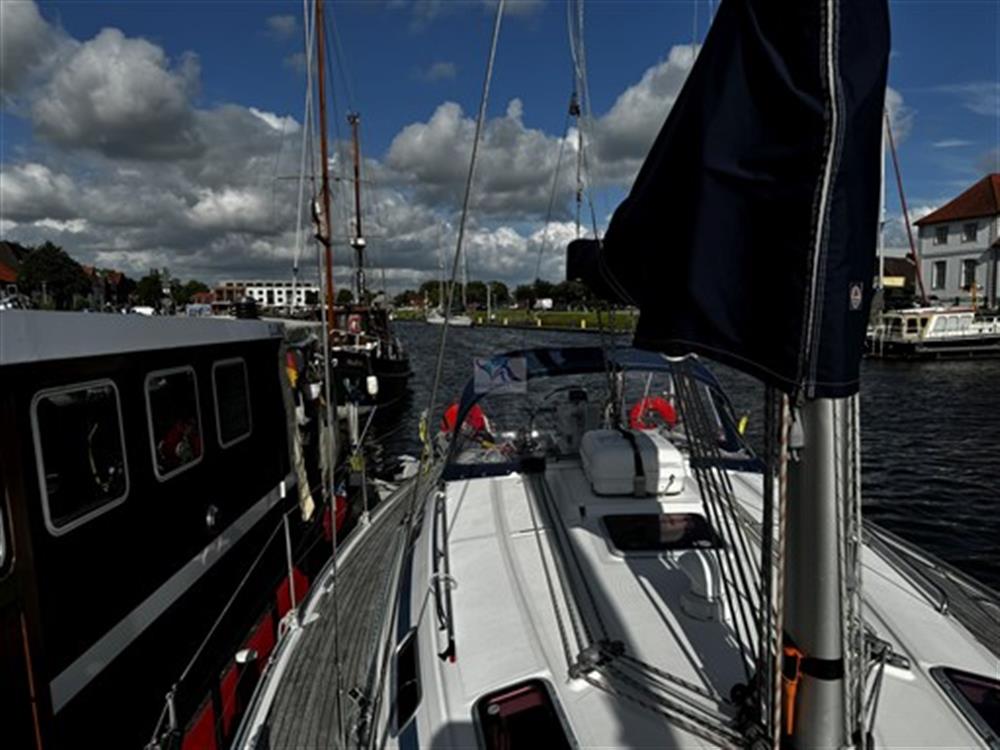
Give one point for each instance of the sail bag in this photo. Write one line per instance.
(749, 234)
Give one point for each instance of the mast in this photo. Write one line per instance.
(574, 111)
(914, 254)
(324, 225)
(465, 281)
(358, 241)
(881, 216)
(814, 625)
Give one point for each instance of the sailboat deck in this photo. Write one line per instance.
(304, 713)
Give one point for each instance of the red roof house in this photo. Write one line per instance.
(982, 199)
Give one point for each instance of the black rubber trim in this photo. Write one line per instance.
(640, 474)
(820, 669)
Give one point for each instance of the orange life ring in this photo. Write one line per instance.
(658, 404)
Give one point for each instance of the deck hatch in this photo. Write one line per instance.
(976, 696)
(521, 715)
(660, 532)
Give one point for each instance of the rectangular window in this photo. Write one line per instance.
(3, 536)
(968, 273)
(969, 231)
(174, 420)
(79, 453)
(652, 532)
(232, 401)
(938, 272)
(522, 715)
(941, 235)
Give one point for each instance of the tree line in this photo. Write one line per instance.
(564, 295)
(50, 278)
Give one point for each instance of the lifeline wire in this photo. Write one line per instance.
(465, 207)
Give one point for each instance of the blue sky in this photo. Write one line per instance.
(213, 61)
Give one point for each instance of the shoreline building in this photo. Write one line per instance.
(269, 293)
(960, 245)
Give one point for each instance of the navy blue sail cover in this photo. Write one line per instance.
(749, 234)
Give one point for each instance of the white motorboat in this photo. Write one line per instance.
(935, 333)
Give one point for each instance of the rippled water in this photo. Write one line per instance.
(930, 436)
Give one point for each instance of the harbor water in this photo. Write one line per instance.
(930, 435)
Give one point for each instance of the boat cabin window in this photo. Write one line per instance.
(977, 696)
(663, 532)
(522, 715)
(407, 680)
(911, 325)
(79, 452)
(232, 401)
(174, 420)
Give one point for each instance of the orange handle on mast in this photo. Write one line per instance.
(790, 684)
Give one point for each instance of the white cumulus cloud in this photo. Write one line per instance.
(120, 97)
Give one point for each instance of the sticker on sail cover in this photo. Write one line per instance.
(857, 295)
(500, 375)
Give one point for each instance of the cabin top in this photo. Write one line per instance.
(39, 335)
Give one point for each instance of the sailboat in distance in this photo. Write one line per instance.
(436, 316)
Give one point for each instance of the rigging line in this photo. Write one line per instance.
(694, 27)
(552, 199)
(578, 47)
(306, 122)
(839, 481)
(553, 598)
(663, 692)
(725, 490)
(345, 76)
(767, 650)
(465, 206)
(562, 542)
(686, 408)
(721, 489)
(718, 735)
(914, 252)
(342, 160)
(329, 488)
(640, 665)
(232, 598)
(777, 635)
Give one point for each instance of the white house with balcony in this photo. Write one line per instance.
(960, 246)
